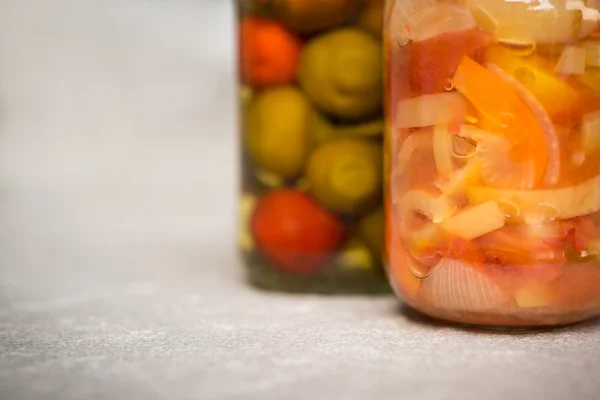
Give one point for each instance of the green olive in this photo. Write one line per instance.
(371, 230)
(346, 175)
(355, 255)
(321, 129)
(341, 72)
(277, 132)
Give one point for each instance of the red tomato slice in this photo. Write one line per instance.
(518, 245)
(432, 62)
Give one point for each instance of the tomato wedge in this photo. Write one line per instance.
(432, 62)
(503, 114)
(520, 245)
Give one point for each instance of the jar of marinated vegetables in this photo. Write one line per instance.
(493, 159)
(311, 100)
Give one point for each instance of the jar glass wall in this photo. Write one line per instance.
(311, 102)
(493, 143)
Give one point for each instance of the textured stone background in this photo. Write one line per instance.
(118, 278)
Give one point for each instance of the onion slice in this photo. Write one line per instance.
(442, 150)
(563, 203)
(430, 110)
(416, 141)
(590, 132)
(458, 286)
(553, 166)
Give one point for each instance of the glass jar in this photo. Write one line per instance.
(493, 159)
(311, 99)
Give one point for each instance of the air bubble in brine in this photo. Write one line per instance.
(509, 208)
(548, 212)
(463, 147)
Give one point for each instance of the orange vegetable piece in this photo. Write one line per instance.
(564, 99)
(269, 53)
(504, 114)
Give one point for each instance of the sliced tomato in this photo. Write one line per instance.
(523, 245)
(432, 62)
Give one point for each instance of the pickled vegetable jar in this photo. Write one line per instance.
(493, 159)
(311, 100)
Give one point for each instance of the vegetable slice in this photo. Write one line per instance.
(475, 221)
(564, 100)
(416, 141)
(431, 109)
(434, 208)
(496, 163)
(442, 150)
(506, 116)
(564, 203)
(553, 167)
(458, 286)
(545, 23)
(590, 132)
(458, 181)
(571, 61)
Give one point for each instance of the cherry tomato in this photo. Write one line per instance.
(295, 233)
(269, 52)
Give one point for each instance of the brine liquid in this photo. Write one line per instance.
(493, 141)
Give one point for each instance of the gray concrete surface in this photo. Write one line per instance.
(118, 276)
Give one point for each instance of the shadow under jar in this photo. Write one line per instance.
(493, 159)
(311, 107)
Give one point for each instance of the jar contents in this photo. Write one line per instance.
(493, 140)
(311, 99)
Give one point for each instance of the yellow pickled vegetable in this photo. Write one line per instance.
(475, 221)
(560, 100)
(592, 53)
(572, 61)
(552, 22)
(590, 132)
(434, 208)
(442, 150)
(562, 203)
(431, 109)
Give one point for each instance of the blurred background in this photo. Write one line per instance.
(117, 139)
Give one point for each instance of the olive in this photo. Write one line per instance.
(341, 72)
(277, 132)
(345, 175)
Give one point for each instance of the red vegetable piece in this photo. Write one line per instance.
(432, 62)
(295, 233)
